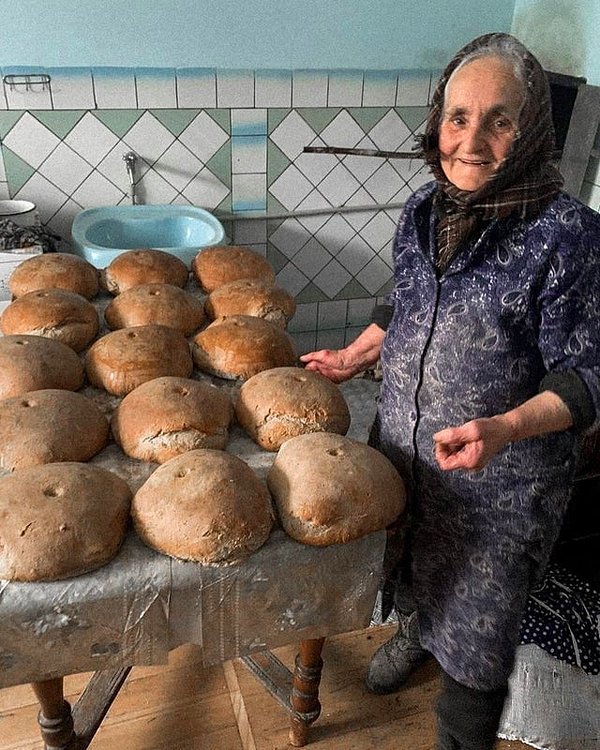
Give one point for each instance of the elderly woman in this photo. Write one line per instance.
(490, 355)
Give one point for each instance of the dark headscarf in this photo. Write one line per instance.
(526, 180)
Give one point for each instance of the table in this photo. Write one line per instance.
(142, 604)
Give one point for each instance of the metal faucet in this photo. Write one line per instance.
(130, 159)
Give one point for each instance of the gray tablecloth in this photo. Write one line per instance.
(142, 604)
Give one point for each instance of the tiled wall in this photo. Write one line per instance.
(232, 141)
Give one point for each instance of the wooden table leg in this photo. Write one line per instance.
(305, 690)
(55, 718)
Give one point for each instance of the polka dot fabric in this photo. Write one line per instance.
(562, 617)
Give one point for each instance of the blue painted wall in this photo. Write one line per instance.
(563, 34)
(388, 34)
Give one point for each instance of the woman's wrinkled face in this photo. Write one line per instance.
(479, 122)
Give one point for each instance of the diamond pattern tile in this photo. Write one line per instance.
(291, 188)
(289, 237)
(65, 168)
(31, 140)
(338, 185)
(292, 134)
(204, 137)
(178, 165)
(91, 139)
(149, 138)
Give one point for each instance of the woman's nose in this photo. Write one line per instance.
(474, 137)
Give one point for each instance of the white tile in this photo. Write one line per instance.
(309, 88)
(65, 169)
(196, 87)
(96, 190)
(31, 140)
(91, 139)
(407, 168)
(314, 203)
(342, 131)
(246, 232)
(380, 88)
(62, 221)
(332, 314)
(114, 88)
(29, 90)
(316, 166)
(374, 275)
(291, 279)
(248, 154)
(413, 88)
(390, 132)
(273, 88)
(338, 186)
(292, 135)
(155, 88)
(178, 165)
(305, 342)
(248, 192)
(332, 279)
(335, 233)
(4, 194)
(311, 258)
(362, 167)
(113, 167)
(3, 102)
(379, 231)
(358, 219)
(2, 170)
(305, 318)
(422, 177)
(72, 88)
(331, 339)
(203, 137)
(383, 184)
(355, 255)
(290, 188)
(289, 237)
(154, 189)
(345, 88)
(206, 190)
(249, 122)
(235, 88)
(359, 311)
(386, 253)
(46, 196)
(149, 138)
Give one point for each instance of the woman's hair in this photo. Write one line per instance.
(505, 47)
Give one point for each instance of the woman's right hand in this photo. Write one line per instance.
(342, 364)
(332, 363)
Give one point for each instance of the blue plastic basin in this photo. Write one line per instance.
(101, 234)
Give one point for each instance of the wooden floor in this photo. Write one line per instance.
(182, 707)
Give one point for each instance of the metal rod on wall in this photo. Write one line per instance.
(361, 152)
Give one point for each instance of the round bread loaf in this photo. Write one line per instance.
(276, 405)
(124, 359)
(162, 304)
(32, 363)
(54, 271)
(167, 416)
(215, 266)
(60, 520)
(239, 346)
(143, 266)
(251, 297)
(330, 489)
(41, 427)
(54, 313)
(205, 505)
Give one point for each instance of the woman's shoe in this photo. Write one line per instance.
(393, 662)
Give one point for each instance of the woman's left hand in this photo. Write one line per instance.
(471, 445)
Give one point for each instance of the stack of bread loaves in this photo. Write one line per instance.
(202, 503)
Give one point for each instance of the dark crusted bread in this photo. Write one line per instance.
(278, 404)
(167, 416)
(330, 489)
(204, 505)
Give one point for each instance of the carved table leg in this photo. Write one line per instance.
(305, 690)
(54, 718)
